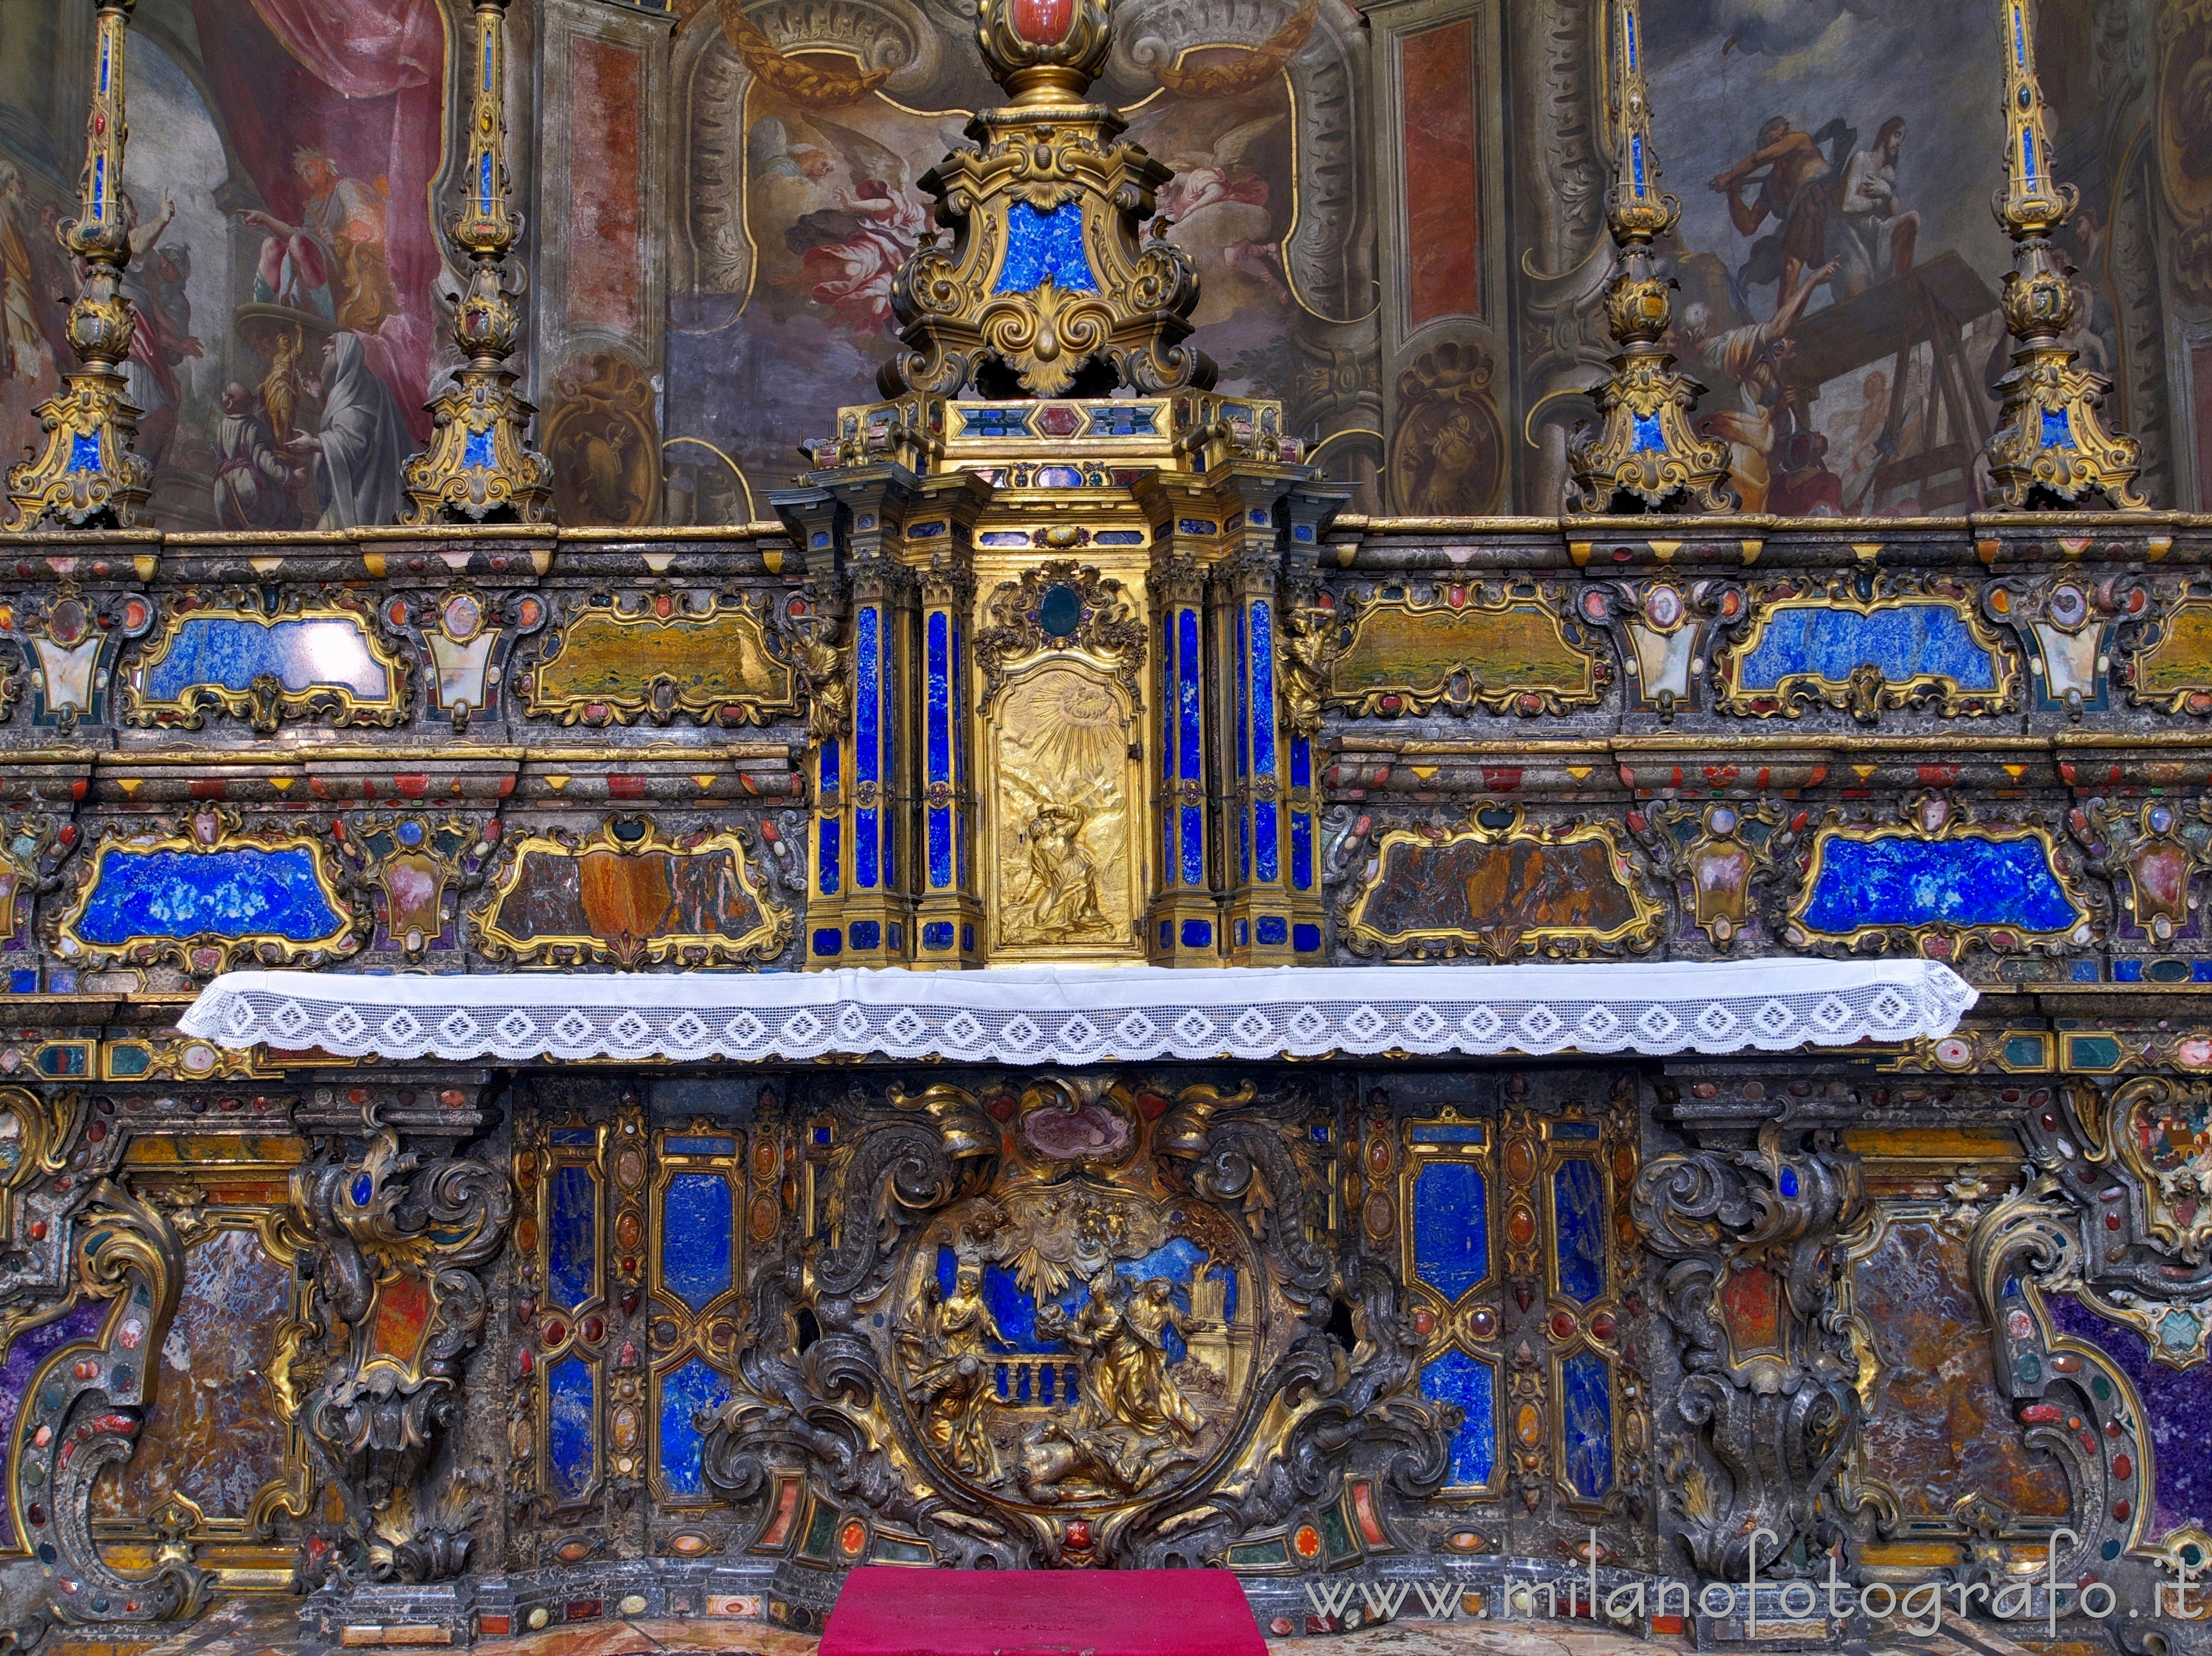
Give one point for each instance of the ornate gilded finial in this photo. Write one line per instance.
(1644, 450)
(90, 476)
(2051, 447)
(1047, 289)
(478, 462)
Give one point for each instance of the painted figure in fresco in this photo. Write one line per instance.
(362, 443)
(1797, 191)
(31, 343)
(162, 340)
(1750, 359)
(332, 262)
(1219, 172)
(252, 482)
(1876, 240)
(849, 253)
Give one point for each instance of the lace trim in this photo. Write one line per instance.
(1070, 1016)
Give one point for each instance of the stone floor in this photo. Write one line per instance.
(263, 1627)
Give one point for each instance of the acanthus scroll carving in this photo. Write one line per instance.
(1769, 1391)
(374, 1372)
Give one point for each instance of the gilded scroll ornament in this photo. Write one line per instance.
(243, 654)
(1066, 610)
(1865, 646)
(1499, 886)
(69, 640)
(1505, 649)
(611, 663)
(205, 893)
(633, 895)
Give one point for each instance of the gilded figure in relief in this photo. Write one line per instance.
(952, 1370)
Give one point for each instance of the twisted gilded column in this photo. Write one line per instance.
(479, 463)
(2051, 448)
(89, 476)
(1642, 456)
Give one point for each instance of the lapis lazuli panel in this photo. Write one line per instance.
(1901, 881)
(1586, 1389)
(1041, 245)
(232, 652)
(572, 1236)
(242, 890)
(571, 1420)
(696, 1247)
(1456, 1377)
(1903, 642)
(1451, 1227)
(684, 1393)
(867, 711)
(1578, 1228)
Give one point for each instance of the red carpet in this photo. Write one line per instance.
(887, 1611)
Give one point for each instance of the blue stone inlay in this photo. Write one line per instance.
(478, 451)
(1304, 939)
(830, 832)
(1273, 928)
(828, 940)
(680, 1144)
(937, 934)
(364, 1188)
(939, 829)
(866, 934)
(1450, 1132)
(1648, 434)
(938, 666)
(1472, 1384)
(243, 891)
(570, 1425)
(831, 782)
(572, 1236)
(1172, 692)
(1302, 851)
(1243, 692)
(1263, 688)
(864, 849)
(1266, 832)
(1904, 641)
(573, 1137)
(1897, 880)
(1194, 845)
(1198, 934)
(2058, 429)
(867, 710)
(1451, 1227)
(684, 1393)
(483, 207)
(1121, 420)
(1015, 1309)
(1586, 1401)
(1787, 1183)
(1119, 538)
(1189, 680)
(996, 423)
(1197, 527)
(1041, 245)
(698, 1252)
(232, 651)
(84, 452)
(1578, 1227)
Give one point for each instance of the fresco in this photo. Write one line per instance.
(279, 177)
(1839, 266)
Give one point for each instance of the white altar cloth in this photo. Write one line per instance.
(1067, 1015)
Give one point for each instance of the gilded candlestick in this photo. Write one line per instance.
(89, 475)
(2050, 450)
(1644, 455)
(479, 463)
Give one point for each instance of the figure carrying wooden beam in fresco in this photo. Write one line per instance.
(1797, 191)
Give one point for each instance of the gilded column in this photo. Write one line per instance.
(879, 791)
(2051, 448)
(89, 475)
(1255, 836)
(1644, 455)
(479, 463)
(949, 922)
(1180, 925)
